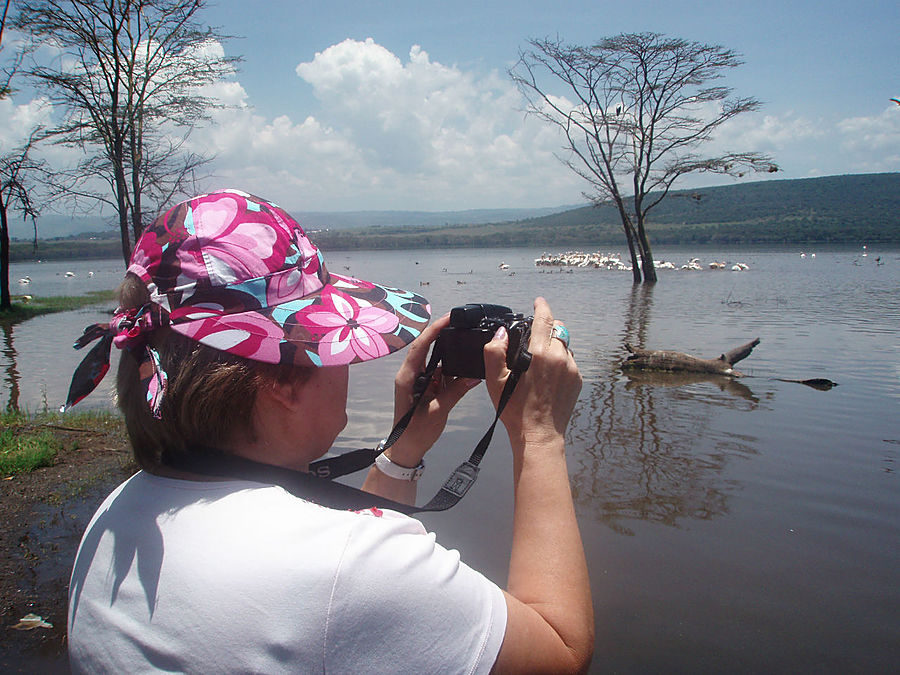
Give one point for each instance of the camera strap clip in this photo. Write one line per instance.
(461, 480)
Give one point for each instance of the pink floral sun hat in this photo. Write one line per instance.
(237, 273)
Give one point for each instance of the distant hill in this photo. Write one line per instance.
(320, 220)
(54, 226)
(833, 209)
(851, 209)
(847, 208)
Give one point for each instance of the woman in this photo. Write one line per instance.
(236, 338)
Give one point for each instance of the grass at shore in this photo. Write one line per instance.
(32, 441)
(29, 442)
(20, 453)
(27, 307)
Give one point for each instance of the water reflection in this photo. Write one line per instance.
(729, 385)
(11, 373)
(645, 445)
(637, 318)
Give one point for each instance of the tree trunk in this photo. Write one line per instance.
(629, 237)
(635, 267)
(122, 208)
(136, 166)
(646, 255)
(5, 299)
(658, 359)
(126, 239)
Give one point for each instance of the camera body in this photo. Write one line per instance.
(471, 327)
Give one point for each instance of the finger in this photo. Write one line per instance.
(454, 390)
(495, 355)
(541, 326)
(559, 338)
(418, 349)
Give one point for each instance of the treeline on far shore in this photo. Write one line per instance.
(562, 236)
(520, 234)
(853, 209)
(70, 248)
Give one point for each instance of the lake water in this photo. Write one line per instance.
(739, 526)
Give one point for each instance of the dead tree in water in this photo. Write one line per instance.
(658, 359)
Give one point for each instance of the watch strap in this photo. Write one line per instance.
(392, 470)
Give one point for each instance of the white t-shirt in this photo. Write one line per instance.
(236, 576)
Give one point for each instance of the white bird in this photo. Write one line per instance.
(25, 280)
(70, 274)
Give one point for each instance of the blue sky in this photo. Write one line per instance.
(816, 57)
(407, 105)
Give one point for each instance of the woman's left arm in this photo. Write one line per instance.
(426, 424)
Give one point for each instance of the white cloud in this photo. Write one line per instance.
(413, 135)
(20, 119)
(755, 132)
(817, 147)
(872, 143)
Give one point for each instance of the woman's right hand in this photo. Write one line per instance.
(544, 398)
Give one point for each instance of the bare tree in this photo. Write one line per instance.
(17, 168)
(643, 105)
(128, 78)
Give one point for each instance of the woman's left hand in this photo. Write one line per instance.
(442, 394)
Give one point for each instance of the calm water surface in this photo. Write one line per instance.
(740, 526)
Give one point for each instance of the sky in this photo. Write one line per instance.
(403, 105)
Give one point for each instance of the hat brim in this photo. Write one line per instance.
(346, 321)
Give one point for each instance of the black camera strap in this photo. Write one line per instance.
(318, 485)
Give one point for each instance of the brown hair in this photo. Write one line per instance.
(210, 395)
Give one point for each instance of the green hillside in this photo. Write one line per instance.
(834, 209)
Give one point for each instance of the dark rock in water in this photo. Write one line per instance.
(819, 383)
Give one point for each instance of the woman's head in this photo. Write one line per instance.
(210, 394)
(226, 294)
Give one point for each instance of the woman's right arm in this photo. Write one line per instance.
(550, 624)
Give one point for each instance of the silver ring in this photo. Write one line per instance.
(561, 333)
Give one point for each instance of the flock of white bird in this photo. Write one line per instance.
(24, 281)
(613, 261)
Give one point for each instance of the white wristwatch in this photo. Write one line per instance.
(391, 470)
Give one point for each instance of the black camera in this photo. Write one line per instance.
(472, 326)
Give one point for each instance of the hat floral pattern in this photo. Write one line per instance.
(237, 273)
(350, 330)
